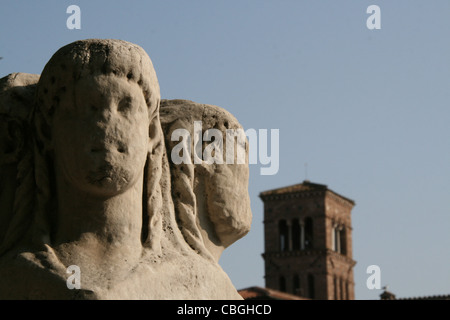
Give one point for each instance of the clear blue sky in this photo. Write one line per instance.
(368, 110)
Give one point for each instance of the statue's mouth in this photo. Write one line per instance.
(101, 175)
(107, 174)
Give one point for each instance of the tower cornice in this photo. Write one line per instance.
(304, 190)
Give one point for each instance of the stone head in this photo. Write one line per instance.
(216, 194)
(96, 101)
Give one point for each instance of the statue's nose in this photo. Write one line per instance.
(108, 146)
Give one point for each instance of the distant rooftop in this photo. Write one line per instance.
(305, 187)
(259, 293)
(387, 295)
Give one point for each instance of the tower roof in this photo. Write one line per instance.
(302, 188)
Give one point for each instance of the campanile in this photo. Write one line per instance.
(308, 241)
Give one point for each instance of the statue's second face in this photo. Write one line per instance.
(228, 200)
(100, 135)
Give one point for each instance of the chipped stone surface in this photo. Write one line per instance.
(90, 183)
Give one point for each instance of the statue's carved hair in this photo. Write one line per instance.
(95, 57)
(16, 103)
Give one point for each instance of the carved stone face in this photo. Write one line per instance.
(228, 201)
(100, 135)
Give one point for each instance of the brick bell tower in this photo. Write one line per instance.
(308, 242)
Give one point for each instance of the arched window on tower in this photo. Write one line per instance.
(336, 293)
(309, 233)
(347, 289)
(336, 238)
(297, 289)
(311, 294)
(333, 238)
(283, 235)
(295, 234)
(343, 240)
(282, 283)
(343, 297)
(339, 239)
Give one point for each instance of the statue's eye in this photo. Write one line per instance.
(93, 107)
(124, 105)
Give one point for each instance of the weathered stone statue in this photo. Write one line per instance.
(88, 181)
(211, 199)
